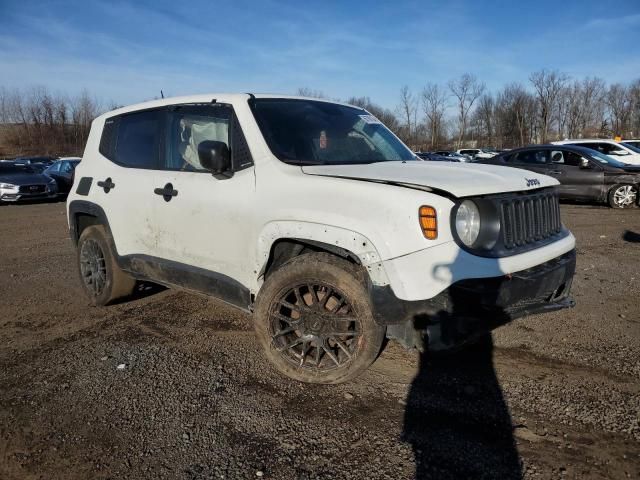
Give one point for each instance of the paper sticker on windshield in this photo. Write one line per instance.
(370, 119)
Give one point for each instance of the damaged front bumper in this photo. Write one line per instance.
(472, 307)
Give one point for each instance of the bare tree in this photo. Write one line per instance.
(485, 118)
(467, 89)
(634, 95)
(547, 86)
(408, 110)
(434, 104)
(309, 92)
(620, 106)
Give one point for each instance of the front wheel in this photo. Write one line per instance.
(314, 320)
(623, 196)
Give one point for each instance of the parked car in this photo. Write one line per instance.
(474, 153)
(316, 218)
(624, 153)
(453, 155)
(584, 174)
(23, 182)
(434, 157)
(63, 172)
(37, 163)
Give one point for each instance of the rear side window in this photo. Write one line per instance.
(138, 140)
(537, 157)
(108, 139)
(132, 140)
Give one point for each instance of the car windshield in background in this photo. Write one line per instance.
(11, 168)
(309, 132)
(602, 158)
(631, 147)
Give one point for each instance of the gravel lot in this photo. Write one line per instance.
(172, 385)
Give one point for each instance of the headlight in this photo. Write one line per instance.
(468, 222)
(8, 186)
(52, 181)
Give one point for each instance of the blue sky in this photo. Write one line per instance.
(127, 51)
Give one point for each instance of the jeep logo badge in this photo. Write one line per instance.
(532, 181)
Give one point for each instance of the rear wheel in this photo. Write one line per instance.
(314, 320)
(623, 196)
(102, 280)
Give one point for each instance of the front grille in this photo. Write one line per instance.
(32, 188)
(530, 218)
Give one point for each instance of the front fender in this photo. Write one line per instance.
(355, 243)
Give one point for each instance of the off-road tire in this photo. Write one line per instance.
(111, 283)
(340, 278)
(614, 202)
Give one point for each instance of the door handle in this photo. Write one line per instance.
(167, 192)
(107, 184)
(555, 172)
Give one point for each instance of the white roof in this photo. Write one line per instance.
(583, 140)
(208, 98)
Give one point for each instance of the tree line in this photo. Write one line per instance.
(458, 113)
(34, 121)
(550, 106)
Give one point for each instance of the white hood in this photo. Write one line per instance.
(459, 179)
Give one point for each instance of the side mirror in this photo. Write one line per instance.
(619, 152)
(214, 156)
(584, 163)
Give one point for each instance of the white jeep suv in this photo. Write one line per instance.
(313, 216)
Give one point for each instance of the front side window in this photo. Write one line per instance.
(310, 132)
(66, 167)
(565, 157)
(189, 126)
(54, 168)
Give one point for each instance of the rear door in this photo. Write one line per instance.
(124, 187)
(535, 160)
(576, 182)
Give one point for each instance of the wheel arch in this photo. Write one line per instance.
(83, 214)
(279, 242)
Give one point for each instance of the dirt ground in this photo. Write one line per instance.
(551, 396)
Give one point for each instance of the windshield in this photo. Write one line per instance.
(631, 147)
(11, 168)
(309, 132)
(602, 158)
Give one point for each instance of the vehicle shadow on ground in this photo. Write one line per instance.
(631, 237)
(456, 418)
(141, 290)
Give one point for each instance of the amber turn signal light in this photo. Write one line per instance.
(429, 222)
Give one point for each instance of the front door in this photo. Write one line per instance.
(577, 182)
(203, 223)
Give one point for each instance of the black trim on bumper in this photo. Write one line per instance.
(471, 307)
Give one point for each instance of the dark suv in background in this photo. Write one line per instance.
(584, 174)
